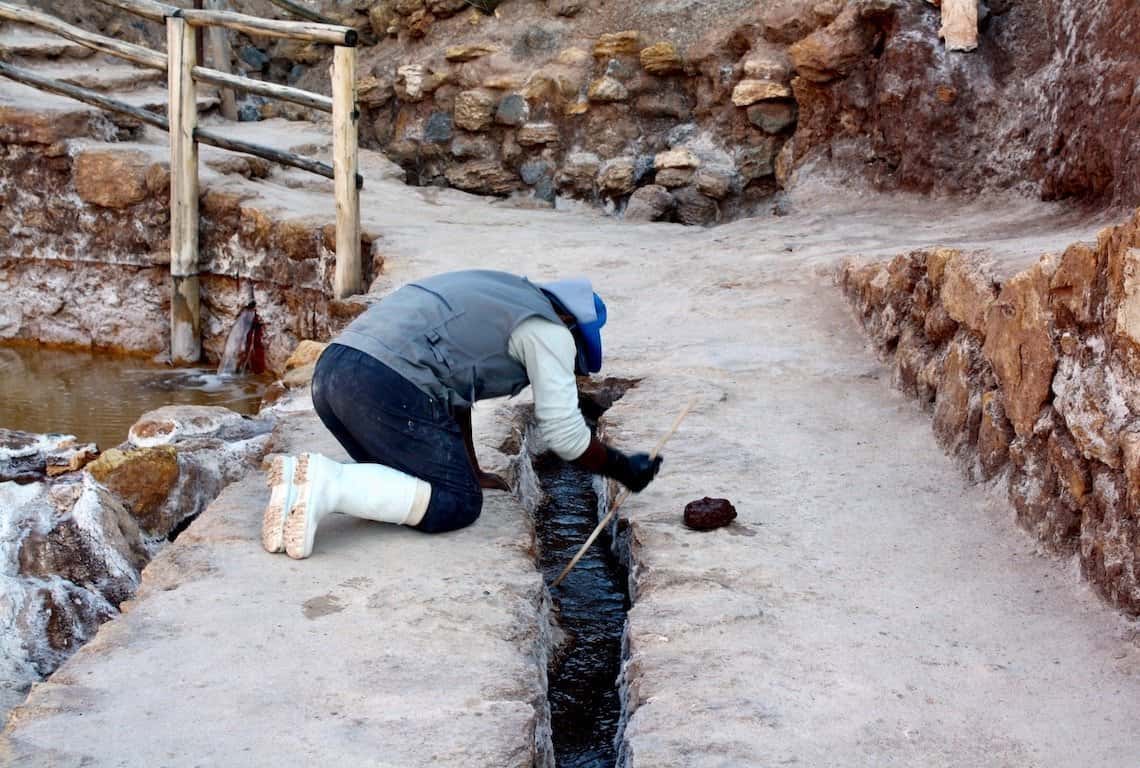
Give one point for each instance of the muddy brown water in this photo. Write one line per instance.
(592, 603)
(97, 397)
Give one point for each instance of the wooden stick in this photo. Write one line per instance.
(129, 51)
(622, 498)
(185, 317)
(301, 11)
(87, 96)
(252, 25)
(148, 9)
(218, 40)
(347, 278)
(267, 153)
(262, 88)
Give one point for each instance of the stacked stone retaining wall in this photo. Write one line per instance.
(1034, 383)
(84, 251)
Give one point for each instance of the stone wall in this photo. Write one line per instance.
(84, 252)
(1033, 380)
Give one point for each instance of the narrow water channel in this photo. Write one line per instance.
(97, 397)
(591, 604)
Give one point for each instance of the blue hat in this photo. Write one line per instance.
(576, 296)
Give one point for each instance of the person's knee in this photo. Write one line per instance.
(450, 511)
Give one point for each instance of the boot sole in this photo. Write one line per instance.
(298, 542)
(280, 478)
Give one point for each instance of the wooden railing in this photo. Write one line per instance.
(181, 123)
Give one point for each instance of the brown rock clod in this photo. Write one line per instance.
(709, 514)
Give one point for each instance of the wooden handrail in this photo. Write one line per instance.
(86, 95)
(96, 99)
(148, 9)
(129, 51)
(262, 88)
(253, 25)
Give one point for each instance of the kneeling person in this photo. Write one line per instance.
(396, 388)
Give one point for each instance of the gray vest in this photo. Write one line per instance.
(448, 334)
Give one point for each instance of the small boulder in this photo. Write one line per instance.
(616, 177)
(694, 209)
(142, 479)
(649, 203)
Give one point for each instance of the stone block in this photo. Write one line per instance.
(994, 436)
(626, 43)
(537, 134)
(834, 51)
(579, 171)
(469, 51)
(475, 109)
(616, 177)
(484, 177)
(695, 209)
(676, 158)
(956, 414)
(1019, 345)
(112, 178)
(714, 182)
(967, 291)
(649, 203)
(674, 177)
(748, 92)
(607, 89)
(142, 479)
(772, 116)
(662, 59)
(1072, 287)
(513, 110)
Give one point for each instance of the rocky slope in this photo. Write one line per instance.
(581, 98)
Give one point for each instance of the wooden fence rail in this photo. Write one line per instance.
(182, 68)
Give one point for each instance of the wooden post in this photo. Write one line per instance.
(185, 315)
(218, 40)
(347, 280)
(960, 24)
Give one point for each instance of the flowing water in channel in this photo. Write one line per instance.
(97, 397)
(592, 603)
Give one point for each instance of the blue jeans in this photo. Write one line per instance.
(382, 418)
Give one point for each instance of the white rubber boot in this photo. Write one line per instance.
(369, 491)
(280, 479)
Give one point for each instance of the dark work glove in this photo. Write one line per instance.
(634, 472)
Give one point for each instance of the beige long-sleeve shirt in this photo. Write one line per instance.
(546, 349)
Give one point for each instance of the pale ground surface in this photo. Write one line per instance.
(870, 608)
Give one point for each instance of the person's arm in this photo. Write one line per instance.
(486, 479)
(547, 351)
